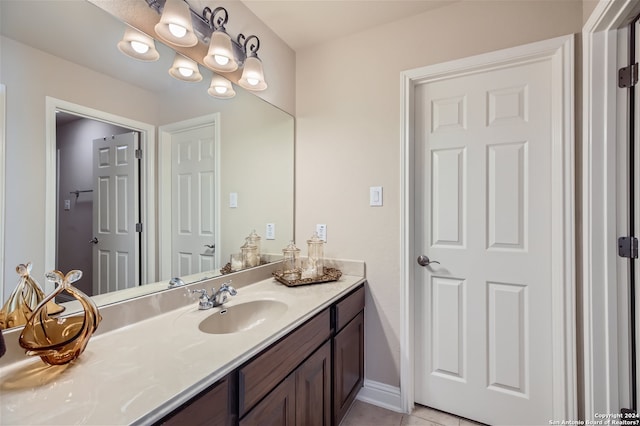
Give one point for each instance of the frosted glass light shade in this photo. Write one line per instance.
(185, 69)
(220, 55)
(138, 46)
(175, 25)
(252, 74)
(221, 88)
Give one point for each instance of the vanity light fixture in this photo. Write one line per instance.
(138, 46)
(175, 26)
(220, 56)
(252, 73)
(221, 88)
(224, 54)
(185, 69)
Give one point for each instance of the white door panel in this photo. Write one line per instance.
(194, 209)
(115, 213)
(483, 315)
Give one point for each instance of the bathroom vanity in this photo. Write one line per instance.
(298, 360)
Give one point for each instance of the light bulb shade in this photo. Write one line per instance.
(138, 46)
(176, 14)
(185, 69)
(252, 74)
(221, 88)
(220, 55)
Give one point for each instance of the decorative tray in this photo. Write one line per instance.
(330, 274)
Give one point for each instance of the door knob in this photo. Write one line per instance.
(423, 260)
(210, 246)
(94, 240)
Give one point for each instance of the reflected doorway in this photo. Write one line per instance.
(98, 202)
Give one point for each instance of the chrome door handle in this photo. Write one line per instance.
(423, 260)
(94, 240)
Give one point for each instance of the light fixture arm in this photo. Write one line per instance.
(220, 21)
(249, 49)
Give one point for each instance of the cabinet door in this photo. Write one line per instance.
(213, 407)
(348, 358)
(313, 389)
(277, 408)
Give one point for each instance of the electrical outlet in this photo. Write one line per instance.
(67, 204)
(271, 231)
(321, 230)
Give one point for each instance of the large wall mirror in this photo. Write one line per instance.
(67, 85)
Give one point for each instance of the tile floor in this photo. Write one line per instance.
(363, 414)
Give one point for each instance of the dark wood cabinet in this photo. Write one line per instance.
(278, 408)
(348, 352)
(263, 373)
(313, 389)
(348, 358)
(213, 407)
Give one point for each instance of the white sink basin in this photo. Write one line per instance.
(242, 316)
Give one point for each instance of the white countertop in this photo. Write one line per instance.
(141, 372)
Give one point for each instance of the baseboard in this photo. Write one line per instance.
(381, 395)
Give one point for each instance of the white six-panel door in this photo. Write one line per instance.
(193, 187)
(115, 211)
(483, 315)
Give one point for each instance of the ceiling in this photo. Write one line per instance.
(303, 23)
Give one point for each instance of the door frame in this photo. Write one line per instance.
(165, 133)
(147, 180)
(600, 295)
(560, 51)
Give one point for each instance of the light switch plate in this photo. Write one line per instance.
(321, 230)
(233, 200)
(375, 196)
(270, 233)
(67, 204)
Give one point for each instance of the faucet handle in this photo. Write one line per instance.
(201, 291)
(227, 287)
(205, 301)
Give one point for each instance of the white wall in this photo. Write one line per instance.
(348, 136)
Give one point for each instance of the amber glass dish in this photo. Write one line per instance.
(23, 300)
(60, 340)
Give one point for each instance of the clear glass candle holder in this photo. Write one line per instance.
(291, 267)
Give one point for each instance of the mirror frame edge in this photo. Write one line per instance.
(3, 130)
(148, 172)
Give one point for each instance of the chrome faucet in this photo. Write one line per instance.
(216, 298)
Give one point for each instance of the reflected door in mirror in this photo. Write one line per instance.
(194, 200)
(116, 240)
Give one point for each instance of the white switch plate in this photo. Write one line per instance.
(321, 230)
(375, 196)
(271, 231)
(67, 204)
(233, 200)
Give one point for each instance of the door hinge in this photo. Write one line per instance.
(138, 154)
(628, 247)
(138, 227)
(628, 76)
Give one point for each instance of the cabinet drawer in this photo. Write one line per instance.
(259, 376)
(349, 307)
